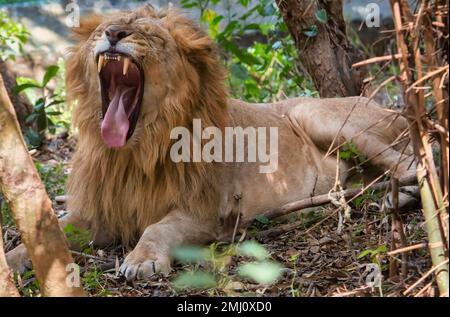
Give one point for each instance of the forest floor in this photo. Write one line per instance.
(319, 257)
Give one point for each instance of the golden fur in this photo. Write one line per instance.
(112, 187)
(138, 192)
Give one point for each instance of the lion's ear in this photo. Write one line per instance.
(146, 11)
(197, 47)
(87, 26)
(192, 41)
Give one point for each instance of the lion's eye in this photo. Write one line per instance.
(157, 39)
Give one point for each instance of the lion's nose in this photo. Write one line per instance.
(115, 33)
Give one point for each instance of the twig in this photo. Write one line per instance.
(325, 198)
(397, 234)
(377, 60)
(408, 249)
(427, 76)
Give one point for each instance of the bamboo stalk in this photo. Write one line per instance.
(442, 112)
(425, 171)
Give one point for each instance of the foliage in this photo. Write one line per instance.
(196, 280)
(28, 284)
(6, 217)
(375, 255)
(264, 71)
(211, 266)
(47, 103)
(44, 115)
(80, 237)
(94, 282)
(54, 178)
(12, 37)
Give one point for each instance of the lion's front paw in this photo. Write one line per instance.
(141, 265)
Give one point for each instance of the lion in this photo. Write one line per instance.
(136, 76)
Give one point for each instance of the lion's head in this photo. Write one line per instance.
(136, 76)
(139, 70)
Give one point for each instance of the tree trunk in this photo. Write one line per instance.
(31, 208)
(21, 105)
(328, 55)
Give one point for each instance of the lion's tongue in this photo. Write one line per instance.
(115, 124)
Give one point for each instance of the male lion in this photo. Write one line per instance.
(136, 76)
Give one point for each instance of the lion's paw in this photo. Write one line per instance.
(138, 266)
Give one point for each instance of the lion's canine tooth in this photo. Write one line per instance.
(126, 65)
(100, 62)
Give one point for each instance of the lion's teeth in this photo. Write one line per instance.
(100, 62)
(126, 65)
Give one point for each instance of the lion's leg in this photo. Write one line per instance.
(373, 131)
(18, 259)
(152, 252)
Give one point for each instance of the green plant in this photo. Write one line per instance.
(295, 291)
(12, 37)
(6, 216)
(80, 237)
(264, 70)
(54, 178)
(210, 266)
(94, 282)
(42, 118)
(28, 284)
(374, 254)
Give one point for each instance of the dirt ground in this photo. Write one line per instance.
(319, 256)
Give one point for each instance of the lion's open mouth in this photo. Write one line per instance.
(122, 83)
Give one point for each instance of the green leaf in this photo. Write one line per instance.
(345, 155)
(55, 102)
(33, 137)
(239, 71)
(247, 58)
(262, 219)
(253, 249)
(69, 228)
(373, 252)
(39, 105)
(194, 280)
(49, 74)
(54, 113)
(23, 87)
(311, 31)
(261, 272)
(217, 19)
(232, 26)
(188, 4)
(251, 26)
(31, 118)
(244, 2)
(321, 16)
(190, 254)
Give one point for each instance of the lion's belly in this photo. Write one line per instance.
(301, 169)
